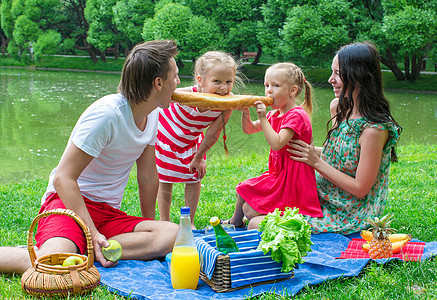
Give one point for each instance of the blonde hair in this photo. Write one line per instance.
(295, 76)
(211, 58)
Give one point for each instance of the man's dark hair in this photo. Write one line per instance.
(144, 63)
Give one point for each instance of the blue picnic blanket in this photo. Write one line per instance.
(151, 279)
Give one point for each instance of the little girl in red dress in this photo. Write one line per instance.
(287, 183)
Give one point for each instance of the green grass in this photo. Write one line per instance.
(316, 76)
(412, 199)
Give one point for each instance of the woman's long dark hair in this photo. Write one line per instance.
(359, 65)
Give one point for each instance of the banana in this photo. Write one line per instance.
(397, 246)
(396, 237)
(366, 235)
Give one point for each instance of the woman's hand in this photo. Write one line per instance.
(303, 152)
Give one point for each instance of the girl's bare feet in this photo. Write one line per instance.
(242, 223)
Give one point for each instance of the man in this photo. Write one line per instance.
(111, 135)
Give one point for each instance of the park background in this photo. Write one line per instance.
(95, 35)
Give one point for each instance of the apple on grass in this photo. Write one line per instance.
(72, 260)
(113, 251)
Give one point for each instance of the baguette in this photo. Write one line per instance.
(218, 102)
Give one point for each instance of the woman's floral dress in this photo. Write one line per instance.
(343, 212)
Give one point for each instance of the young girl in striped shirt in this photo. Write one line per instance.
(181, 145)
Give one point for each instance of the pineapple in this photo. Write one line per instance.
(380, 246)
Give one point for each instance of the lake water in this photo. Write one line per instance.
(38, 110)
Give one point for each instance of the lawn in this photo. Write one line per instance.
(412, 199)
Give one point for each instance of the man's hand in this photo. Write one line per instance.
(99, 241)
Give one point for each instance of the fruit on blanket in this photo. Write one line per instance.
(113, 251)
(396, 246)
(72, 260)
(366, 235)
(380, 246)
(396, 237)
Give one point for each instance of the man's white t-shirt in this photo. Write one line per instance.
(106, 130)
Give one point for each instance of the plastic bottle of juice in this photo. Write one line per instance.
(185, 266)
(223, 240)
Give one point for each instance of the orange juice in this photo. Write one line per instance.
(185, 267)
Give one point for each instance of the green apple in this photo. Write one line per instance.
(72, 260)
(113, 251)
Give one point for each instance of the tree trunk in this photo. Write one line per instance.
(416, 67)
(180, 64)
(90, 51)
(102, 55)
(116, 54)
(390, 62)
(92, 54)
(407, 67)
(4, 43)
(257, 57)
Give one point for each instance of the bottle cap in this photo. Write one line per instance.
(214, 221)
(185, 210)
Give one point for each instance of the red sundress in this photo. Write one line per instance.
(287, 183)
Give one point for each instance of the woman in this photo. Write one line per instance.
(353, 164)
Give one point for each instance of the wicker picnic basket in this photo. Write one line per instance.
(44, 279)
(221, 277)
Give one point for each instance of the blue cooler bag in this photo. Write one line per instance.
(249, 267)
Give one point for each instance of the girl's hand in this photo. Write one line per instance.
(260, 109)
(198, 165)
(303, 152)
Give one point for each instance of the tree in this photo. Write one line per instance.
(413, 30)
(7, 23)
(235, 19)
(102, 33)
(77, 27)
(202, 35)
(311, 34)
(194, 34)
(25, 21)
(405, 31)
(129, 17)
(171, 21)
(48, 43)
(274, 14)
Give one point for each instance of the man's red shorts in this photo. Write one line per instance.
(108, 221)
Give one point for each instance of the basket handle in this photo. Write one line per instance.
(74, 216)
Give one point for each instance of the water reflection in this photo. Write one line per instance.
(38, 110)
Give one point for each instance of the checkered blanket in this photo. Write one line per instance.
(412, 251)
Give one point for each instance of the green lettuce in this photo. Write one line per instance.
(286, 237)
